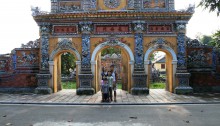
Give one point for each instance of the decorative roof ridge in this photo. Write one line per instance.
(39, 13)
(113, 12)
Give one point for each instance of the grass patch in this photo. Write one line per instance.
(72, 85)
(119, 86)
(157, 85)
(69, 85)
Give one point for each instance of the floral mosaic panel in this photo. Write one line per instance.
(28, 58)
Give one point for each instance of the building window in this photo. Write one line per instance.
(162, 66)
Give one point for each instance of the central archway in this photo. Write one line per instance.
(125, 50)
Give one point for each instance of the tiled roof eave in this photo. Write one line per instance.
(152, 15)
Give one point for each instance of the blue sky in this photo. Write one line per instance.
(17, 24)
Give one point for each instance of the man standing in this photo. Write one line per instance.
(114, 75)
(110, 84)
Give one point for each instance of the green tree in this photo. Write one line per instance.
(67, 63)
(212, 5)
(216, 39)
(152, 56)
(206, 39)
(111, 51)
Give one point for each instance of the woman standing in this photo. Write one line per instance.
(104, 80)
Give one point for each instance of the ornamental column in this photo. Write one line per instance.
(44, 76)
(182, 74)
(86, 76)
(139, 75)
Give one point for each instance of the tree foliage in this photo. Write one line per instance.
(216, 39)
(67, 63)
(111, 51)
(152, 56)
(213, 40)
(212, 5)
(205, 39)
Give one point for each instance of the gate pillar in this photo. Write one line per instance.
(139, 75)
(182, 74)
(86, 76)
(44, 76)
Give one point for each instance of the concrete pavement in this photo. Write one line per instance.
(64, 97)
(110, 115)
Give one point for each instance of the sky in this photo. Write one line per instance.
(17, 25)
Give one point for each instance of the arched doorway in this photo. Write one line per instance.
(171, 64)
(63, 46)
(127, 63)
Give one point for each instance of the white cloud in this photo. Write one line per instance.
(17, 24)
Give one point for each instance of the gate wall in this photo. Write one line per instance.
(19, 69)
(203, 64)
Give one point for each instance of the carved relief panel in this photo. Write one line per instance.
(199, 58)
(27, 57)
(69, 6)
(3, 65)
(199, 55)
(112, 4)
(154, 3)
(87, 5)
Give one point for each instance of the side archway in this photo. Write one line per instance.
(65, 45)
(112, 43)
(171, 61)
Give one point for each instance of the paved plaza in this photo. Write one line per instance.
(123, 97)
